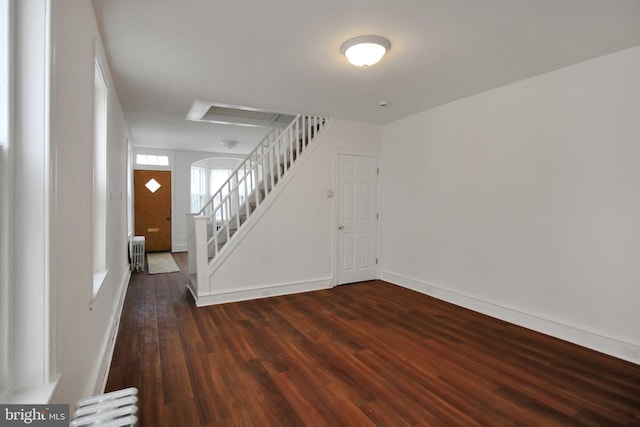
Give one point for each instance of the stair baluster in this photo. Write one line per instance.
(245, 190)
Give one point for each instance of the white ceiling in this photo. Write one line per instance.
(284, 55)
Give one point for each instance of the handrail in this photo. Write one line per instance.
(242, 165)
(252, 181)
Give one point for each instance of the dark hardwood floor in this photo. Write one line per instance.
(356, 355)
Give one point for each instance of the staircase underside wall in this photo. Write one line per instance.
(292, 246)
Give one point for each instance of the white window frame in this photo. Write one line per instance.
(152, 160)
(130, 213)
(26, 223)
(199, 189)
(207, 186)
(146, 151)
(100, 178)
(5, 197)
(228, 164)
(215, 186)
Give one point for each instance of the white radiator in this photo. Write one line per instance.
(115, 409)
(137, 253)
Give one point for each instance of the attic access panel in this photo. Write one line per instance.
(203, 111)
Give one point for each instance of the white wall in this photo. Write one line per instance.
(524, 202)
(292, 246)
(83, 336)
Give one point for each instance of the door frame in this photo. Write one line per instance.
(336, 197)
(135, 150)
(171, 198)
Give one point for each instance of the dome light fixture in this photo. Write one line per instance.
(228, 144)
(364, 51)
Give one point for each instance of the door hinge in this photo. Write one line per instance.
(377, 216)
(378, 171)
(376, 260)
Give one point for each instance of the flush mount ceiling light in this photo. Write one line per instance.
(364, 51)
(229, 144)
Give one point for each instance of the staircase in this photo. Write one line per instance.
(212, 231)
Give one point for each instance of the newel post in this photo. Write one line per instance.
(201, 252)
(191, 243)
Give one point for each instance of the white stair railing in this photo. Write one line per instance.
(246, 189)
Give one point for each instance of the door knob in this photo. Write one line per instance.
(341, 227)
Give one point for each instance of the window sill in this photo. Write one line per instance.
(40, 395)
(99, 279)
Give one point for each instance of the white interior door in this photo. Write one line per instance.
(357, 218)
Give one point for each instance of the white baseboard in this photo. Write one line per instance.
(179, 247)
(243, 294)
(611, 346)
(102, 370)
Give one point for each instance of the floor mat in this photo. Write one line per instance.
(162, 262)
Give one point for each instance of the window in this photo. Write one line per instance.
(99, 179)
(205, 182)
(208, 176)
(130, 225)
(4, 198)
(152, 160)
(198, 188)
(28, 364)
(217, 179)
(4, 71)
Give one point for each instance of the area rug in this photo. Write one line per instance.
(161, 263)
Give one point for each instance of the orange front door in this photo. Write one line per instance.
(152, 191)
